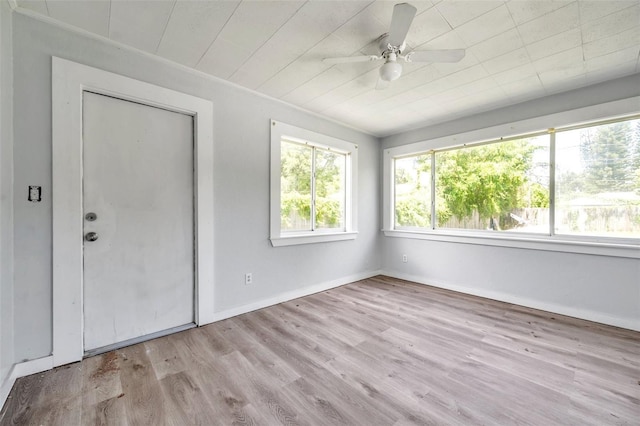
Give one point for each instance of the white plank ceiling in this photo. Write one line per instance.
(516, 50)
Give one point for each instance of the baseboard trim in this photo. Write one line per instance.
(584, 314)
(290, 295)
(22, 369)
(6, 386)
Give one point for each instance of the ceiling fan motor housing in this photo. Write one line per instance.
(386, 48)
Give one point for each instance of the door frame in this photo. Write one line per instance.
(69, 81)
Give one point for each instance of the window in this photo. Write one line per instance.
(501, 186)
(313, 184)
(508, 187)
(312, 188)
(412, 190)
(598, 180)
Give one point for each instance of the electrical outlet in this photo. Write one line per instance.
(248, 278)
(404, 258)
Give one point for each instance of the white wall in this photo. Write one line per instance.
(6, 209)
(600, 288)
(241, 174)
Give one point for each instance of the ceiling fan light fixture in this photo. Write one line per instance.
(391, 70)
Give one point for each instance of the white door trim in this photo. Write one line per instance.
(69, 80)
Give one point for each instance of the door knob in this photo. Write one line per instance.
(91, 236)
(91, 216)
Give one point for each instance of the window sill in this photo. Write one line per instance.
(312, 238)
(531, 242)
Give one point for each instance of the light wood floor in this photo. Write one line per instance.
(376, 352)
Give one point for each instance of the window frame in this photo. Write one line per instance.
(282, 131)
(583, 117)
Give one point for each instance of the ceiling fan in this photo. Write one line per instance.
(392, 46)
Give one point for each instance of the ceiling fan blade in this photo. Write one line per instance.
(403, 14)
(449, 55)
(382, 84)
(351, 59)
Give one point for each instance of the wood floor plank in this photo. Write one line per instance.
(59, 396)
(225, 397)
(377, 393)
(109, 412)
(261, 356)
(319, 333)
(289, 351)
(18, 409)
(359, 402)
(551, 376)
(100, 379)
(164, 357)
(504, 396)
(50, 398)
(320, 406)
(379, 351)
(142, 395)
(186, 402)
